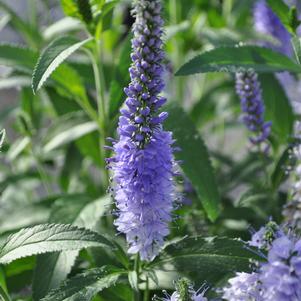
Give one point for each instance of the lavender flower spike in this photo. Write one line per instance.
(243, 287)
(267, 22)
(249, 92)
(143, 165)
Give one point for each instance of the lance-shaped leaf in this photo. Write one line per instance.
(53, 55)
(17, 57)
(195, 159)
(205, 259)
(277, 107)
(239, 59)
(86, 285)
(49, 238)
(80, 211)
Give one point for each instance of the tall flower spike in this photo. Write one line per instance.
(249, 92)
(243, 287)
(143, 165)
(280, 277)
(268, 23)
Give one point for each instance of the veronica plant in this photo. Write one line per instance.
(62, 237)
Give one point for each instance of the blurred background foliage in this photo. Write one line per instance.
(52, 161)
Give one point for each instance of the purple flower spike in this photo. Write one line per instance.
(243, 287)
(249, 92)
(143, 166)
(268, 23)
(280, 276)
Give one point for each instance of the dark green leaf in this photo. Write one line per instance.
(48, 238)
(77, 210)
(17, 57)
(279, 174)
(239, 59)
(86, 285)
(121, 78)
(53, 55)
(277, 107)
(205, 259)
(196, 161)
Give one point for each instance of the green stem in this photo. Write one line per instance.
(42, 172)
(100, 98)
(146, 292)
(137, 270)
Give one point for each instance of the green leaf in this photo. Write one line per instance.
(25, 216)
(277, 107)
(239, 59)
(205, 259)
(86, 285)
(4, 19)
(196, 161)
(296, 42)
(14, 82)
(17, 57)
(30, 33)
(280, 9)
(49, 238)
(2, 137)
(279, 174)
(53, 55)
(77, 210)
(3, 295)
(60, 27)
(121, 78)
(70, 135)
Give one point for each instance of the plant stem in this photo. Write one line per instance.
(41, 170)
(137, 270)
(146, 292)
(100, 98)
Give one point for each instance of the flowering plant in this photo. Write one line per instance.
(142, 142)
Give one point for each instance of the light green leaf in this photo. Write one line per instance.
(60, 27)
(17, 148)
(70, 135)
(196, 161)
(14, 82)
(277, 107)
(296, 42)
(86, 285)
(2, 137)
(77, 210)
(30, 33)
(205, 259)
(53, 55)
(49, 238)
(25, 216)
(239, 59)
(4, 20)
